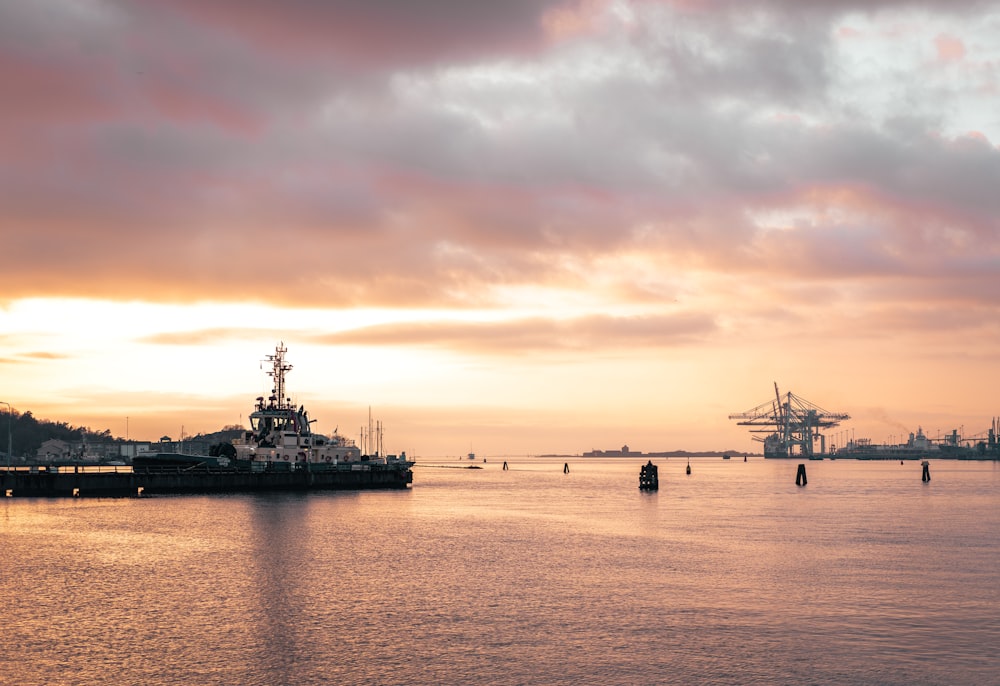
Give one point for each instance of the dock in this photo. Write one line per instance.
(56, 483)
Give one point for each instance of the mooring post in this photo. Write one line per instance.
(800, 476)
(505, 465)
(927, 471)
(566, 468)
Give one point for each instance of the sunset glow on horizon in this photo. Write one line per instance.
(525, 227)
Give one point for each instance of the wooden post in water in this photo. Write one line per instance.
(800, 476)
(927, 471)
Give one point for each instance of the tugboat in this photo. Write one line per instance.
(281, 437)
(279, 453)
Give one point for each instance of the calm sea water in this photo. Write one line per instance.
(732, 575)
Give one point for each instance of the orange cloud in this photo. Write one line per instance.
(569, 21)
(514, 338)
(949, 48)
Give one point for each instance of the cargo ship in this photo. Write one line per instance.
(279, 452)
(920, 447)
(917, 447)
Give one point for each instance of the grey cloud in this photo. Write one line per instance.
(668, 145)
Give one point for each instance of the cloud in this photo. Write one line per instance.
(504, 338)
(528, 335)
(375, 154)
(949, 48)
(33, 356)
(44, 355)
(376, 32)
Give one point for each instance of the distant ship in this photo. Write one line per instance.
(918, 447)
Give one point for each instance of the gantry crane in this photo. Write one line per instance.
(788, 422)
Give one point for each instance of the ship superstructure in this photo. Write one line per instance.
(281, 434)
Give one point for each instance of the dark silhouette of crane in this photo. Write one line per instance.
(788, 422)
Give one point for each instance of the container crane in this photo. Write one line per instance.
(789, 421)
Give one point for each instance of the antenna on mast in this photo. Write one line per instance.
(278, 369)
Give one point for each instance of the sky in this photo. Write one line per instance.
(513, 227)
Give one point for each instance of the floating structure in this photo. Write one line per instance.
(279, 452)
(649, 478)
(789, 426)
(52, 482)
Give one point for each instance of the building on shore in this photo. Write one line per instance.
(624, 452)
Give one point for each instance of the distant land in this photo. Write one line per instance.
(625, 452)
(30, 433)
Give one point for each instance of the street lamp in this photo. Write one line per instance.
(10, 430)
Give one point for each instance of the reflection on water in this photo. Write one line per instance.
(729, 575)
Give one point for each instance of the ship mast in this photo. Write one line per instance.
(278, 370)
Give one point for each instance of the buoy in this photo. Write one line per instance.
(505, 465)
(800, 476)
(566, 468)
(744, 458)
(689, 467)
(927, 471)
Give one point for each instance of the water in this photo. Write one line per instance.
(732, 575)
